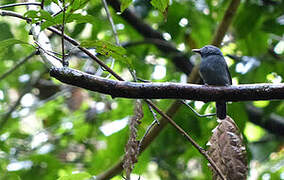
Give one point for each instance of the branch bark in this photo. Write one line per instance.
(225, 23)
(273, 123)
(168, 90)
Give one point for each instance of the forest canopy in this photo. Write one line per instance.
(59, 122)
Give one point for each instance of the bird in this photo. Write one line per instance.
(213, 70)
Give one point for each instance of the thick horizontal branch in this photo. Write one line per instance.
(168, 90)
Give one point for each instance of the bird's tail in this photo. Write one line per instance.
(221, 109)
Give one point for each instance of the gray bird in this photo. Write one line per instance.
(214, 71)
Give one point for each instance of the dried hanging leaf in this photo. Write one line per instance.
(131, 148)
(76, 99)
(228, 151)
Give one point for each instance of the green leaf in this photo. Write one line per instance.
(161, 5)
(31, 14)
(5, 31)
(81, 132)
(76, 4)
(124, 4)
(272, 26)
(104, 46)
(45, 15)
(34, 15)
(108, 49)
(81, 176)
(79, 18)
(47, 2)
(47, 24)
(55, 1)
(77, 30)
(247, 21)
(37, 16)
(10, 42)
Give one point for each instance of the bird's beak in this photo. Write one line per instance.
(196, 50)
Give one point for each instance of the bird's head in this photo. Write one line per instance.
(208, 50)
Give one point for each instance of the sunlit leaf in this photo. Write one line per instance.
(76, 4)
(76, 176)
(79, 18)
(41, 16)
(45, 15)
(104, 45)
(10, 42)
(108, 49)
(5, 31)
(161, 5)
(124, 4)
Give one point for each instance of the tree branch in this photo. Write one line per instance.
(13, 14)
(273, 123)
(111, 22)
(225, 23)
(193, 78)
(153, 133)
(179, 129)
(20, 4)
(17, 65)
(179, 59)
(168, 90)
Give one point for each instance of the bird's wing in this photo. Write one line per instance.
(228, 72)
(230, 77)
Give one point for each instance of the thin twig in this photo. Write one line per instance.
(69, 39)
(154, 114)
(20, 4)
(195, 112)
(179, 59)
(133, 74)
(113, 30)
(202, 151)
(87, 52)
(64, 62)
(55, 14)
(148, 101)
(13, 14)
(153, 133)
(111, 22)
(179, 129)
(193, 78)
(50, 53)
(145, 135)
(42, 4)
(17, 65)
(156, 121)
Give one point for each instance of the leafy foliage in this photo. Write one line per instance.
(125, 4)
(108, 49)
(161, 5)
(57, 133)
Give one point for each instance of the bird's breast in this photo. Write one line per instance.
(214, 72)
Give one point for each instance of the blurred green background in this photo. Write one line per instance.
(54, 131)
